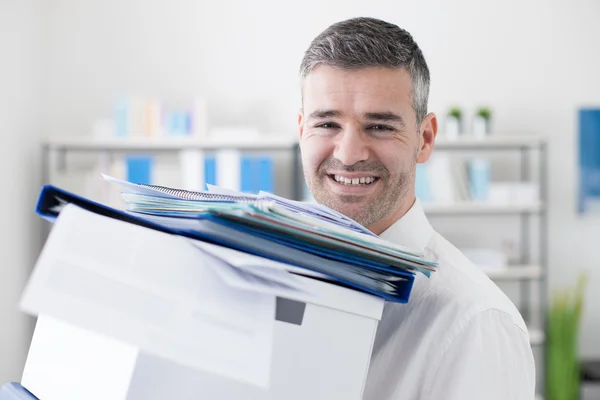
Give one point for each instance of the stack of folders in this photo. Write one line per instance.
(314, 239)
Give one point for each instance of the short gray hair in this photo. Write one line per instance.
(368, 42)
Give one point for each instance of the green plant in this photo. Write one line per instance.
(562, 346)
(455, 112)
(484, 112)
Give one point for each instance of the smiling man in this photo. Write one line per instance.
(363, 128)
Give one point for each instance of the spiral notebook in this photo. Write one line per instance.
(307, 209)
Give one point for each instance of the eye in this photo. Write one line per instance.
(381, 128)
(326, 125)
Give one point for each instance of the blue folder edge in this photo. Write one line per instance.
(15, 391)
(51, 196)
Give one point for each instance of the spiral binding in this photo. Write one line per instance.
(200, 196)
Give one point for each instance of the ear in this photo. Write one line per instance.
(428, 133)
(300, 123)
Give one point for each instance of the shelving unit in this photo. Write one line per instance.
(527, 272)
(473, 208)
(55, 150)
(146, 144)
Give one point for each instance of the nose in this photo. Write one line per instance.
(351, 147)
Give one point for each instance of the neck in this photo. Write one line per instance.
(383, 224)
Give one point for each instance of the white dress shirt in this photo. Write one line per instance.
(458, 337)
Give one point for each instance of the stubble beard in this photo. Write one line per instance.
(377, 206)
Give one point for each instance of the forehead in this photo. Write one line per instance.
(365, 89)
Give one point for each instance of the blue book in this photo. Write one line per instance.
(15, 391)
(422, 184)
(589, 159)
(265, 175)
(248, 174)
(139, 169)
(479, 179)
(256, 174)
(210, 170)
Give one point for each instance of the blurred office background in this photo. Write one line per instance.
(66, 64)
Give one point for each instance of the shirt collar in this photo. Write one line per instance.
(412, 230)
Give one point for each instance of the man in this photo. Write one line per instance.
(363, 127)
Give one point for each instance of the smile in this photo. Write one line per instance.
(354, 181)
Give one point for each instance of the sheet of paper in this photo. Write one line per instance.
(273, 271)
(154, 291)
(133, 188)
(227, 192)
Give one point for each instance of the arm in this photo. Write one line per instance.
(490, 358)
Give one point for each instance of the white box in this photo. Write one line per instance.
(321, 350)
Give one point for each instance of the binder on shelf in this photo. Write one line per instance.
(233, 170)
(210, 170)
(139, 169)
(257, 174)
(248, 174)
(265, 175)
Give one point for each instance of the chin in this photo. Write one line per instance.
(352, 209)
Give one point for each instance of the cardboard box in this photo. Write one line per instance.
(321, 348)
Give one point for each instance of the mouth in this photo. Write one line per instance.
(356, 181)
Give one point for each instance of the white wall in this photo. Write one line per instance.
(20, 57)
(533, 61)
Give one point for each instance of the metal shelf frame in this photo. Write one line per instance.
(526, 273)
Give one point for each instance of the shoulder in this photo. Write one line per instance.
(455, 317)
(458, 286)
(454, 296)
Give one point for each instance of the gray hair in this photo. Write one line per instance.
(368, 42)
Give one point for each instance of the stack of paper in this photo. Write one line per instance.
(387, 269)
(312, 238)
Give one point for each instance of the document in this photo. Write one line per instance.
(158, 292)
(250, 267)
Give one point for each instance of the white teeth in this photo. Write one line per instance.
(354, 181)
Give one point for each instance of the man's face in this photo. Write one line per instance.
(360, 141)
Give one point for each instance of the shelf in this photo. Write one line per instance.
(493, 142)
(516, 272)
(84, 143)
(480, 208)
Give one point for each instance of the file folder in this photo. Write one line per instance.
(15, 391)
(367, 272)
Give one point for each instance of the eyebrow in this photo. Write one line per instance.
(322, 114)
(384, 116)
(371, 116)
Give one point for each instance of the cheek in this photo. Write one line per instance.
(315, 150)
(394, 158)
